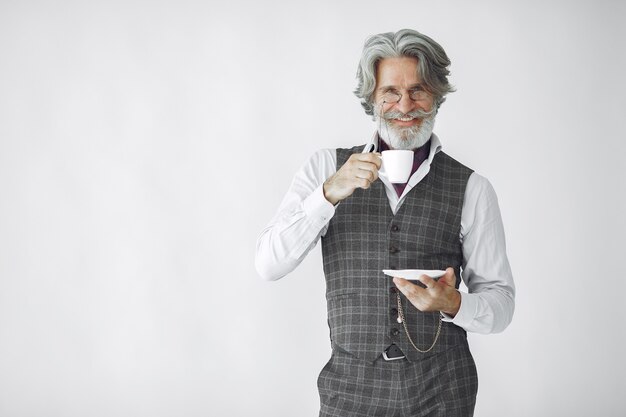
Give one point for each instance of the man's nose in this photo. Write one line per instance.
(405, 105)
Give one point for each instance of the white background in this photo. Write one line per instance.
(145, 144)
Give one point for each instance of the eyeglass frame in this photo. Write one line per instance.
(412, 91)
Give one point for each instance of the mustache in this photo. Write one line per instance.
(416, 114)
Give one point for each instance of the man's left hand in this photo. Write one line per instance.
(438, 295)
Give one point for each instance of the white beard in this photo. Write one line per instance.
(407, 138)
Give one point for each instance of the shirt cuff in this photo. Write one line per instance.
(466, 313)
(317, 208)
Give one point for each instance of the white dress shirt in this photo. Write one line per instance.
(303, 216)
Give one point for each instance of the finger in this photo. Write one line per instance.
(372, 158)
(367, 174)
(361, 161)
(377, 159)
(365, 165)
(363, 183)
(358, 170)
(402, 284)
(411, 291)
(449, 277)
(426, 280)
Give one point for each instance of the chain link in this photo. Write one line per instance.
(401, 312)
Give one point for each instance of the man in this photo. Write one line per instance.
(399, 348)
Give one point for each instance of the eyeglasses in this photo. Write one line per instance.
(415, 94)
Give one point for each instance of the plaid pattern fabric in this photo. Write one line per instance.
(443, 385)
(364, 237)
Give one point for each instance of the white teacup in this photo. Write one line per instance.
(397, 165)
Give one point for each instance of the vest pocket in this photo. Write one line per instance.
(342, 315)
(348, 320)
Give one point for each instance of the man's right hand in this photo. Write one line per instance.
(359, 171)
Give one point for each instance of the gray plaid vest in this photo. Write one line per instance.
(364, 237)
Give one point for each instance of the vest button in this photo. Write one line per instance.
(393, 249)
(394, 312)
(395, 228)
(395, 332)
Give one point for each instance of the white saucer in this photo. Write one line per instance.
(413, 274)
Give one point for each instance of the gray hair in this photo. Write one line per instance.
(432, 60)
